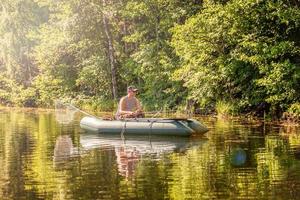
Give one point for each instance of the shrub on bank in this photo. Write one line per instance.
(6, 90)
(225, 109)
(95, 103)
(293, 113)
(25, 97)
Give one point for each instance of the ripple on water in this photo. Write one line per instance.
(42, 159)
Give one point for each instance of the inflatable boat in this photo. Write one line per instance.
(146, 126)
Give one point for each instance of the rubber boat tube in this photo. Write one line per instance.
(146, 126)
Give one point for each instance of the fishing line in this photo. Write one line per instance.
(79, 110)
(67, 110)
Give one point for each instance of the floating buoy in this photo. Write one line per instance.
(238, 157)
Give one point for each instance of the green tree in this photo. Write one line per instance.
(244, 51)
(18, 19)
(72, 51)
(152, 59)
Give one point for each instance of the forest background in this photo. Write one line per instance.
(229, 56)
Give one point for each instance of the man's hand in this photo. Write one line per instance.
(130, 113)
(139, 111)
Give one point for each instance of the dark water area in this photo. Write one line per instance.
(47, 156)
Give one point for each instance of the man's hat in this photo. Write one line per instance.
(132, 88)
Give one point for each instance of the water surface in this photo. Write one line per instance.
(41, 158)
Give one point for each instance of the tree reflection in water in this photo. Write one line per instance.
(43, 159)
(63, 149)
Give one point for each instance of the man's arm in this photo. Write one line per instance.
(138, 106)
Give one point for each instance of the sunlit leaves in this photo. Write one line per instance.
(248, 46)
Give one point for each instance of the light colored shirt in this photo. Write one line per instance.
(128, 104)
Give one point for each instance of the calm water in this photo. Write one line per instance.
(43, 159)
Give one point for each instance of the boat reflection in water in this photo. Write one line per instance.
(129, 150)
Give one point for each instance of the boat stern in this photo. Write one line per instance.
(197, 126)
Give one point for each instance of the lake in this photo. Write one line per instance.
(47, 156)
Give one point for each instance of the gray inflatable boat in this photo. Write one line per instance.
(146, 126)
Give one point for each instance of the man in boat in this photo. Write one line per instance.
(129, 105)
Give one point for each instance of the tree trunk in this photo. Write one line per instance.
(124, 31)
(111, 56)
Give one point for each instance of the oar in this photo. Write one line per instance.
(166, 120)
(153, 112)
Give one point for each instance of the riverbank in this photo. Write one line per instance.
(244, 118)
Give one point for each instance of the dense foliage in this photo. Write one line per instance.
(235, 56)
(244, 51)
